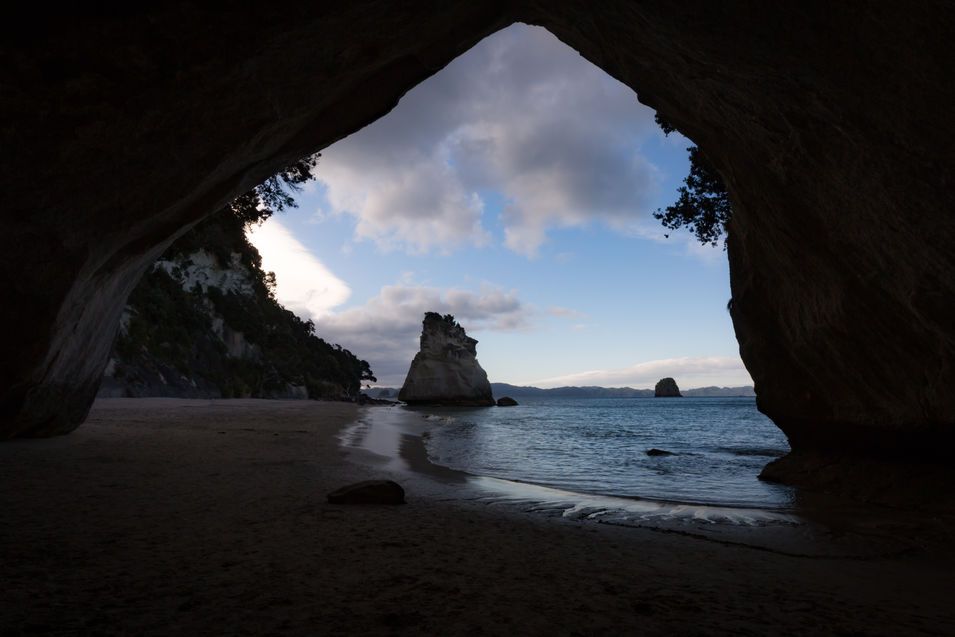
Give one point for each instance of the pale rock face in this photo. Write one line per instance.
(236, 345)
(204, 269)
(200, 268)
(446, 370)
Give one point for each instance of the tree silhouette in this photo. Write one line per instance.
(703, 205)
(275, 194)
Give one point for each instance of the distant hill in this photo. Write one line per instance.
(505, 389)
(516, 391)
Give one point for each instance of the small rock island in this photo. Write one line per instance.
(666, 388)
(446, 370)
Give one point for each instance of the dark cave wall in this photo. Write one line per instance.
(829, 122)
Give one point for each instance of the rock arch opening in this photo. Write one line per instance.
(506, 190)
(131, 127)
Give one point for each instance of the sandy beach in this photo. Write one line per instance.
(165, 516)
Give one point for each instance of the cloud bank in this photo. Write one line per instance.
(520, 124)
(385, 330)
(522, 115)
(688, 372)
(305, 285)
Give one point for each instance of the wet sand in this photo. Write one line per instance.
(164, 516)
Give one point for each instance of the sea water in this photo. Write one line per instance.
(715, 447)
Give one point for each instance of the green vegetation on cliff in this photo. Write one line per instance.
(204, 320)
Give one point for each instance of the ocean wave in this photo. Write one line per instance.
(625, 510)
(440, 418)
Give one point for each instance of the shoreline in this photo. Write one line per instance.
(374, 430)
(819, 527)
(649, 450)
(164, 516)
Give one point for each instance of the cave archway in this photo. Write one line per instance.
(828, 123)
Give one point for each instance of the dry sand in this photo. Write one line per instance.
(163, 516)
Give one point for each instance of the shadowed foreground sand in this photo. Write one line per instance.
(165, 516)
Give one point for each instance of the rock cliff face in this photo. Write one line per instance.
(446, 371)
(666, 388)
(203, 324)
(196, 362)
(829, 122)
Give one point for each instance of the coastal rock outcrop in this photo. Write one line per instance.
(506, 401)
(666, 388)
(446, 371)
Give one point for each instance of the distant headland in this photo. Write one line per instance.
(518, 391)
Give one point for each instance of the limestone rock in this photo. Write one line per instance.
(289, 392)
(506, 401)
(666, 388)
(369, 492)
(446, 371)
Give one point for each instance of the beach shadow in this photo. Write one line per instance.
(411, 449)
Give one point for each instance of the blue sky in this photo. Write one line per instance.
(513, 189)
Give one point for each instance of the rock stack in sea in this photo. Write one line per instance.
(446, 371)
(666, 388)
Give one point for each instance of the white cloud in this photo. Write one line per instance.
(305, 285)
(416, 204)
(520, 114)
(565, 312)
(385, 330)
(681, 239)
(688, 372)
(707, 253)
